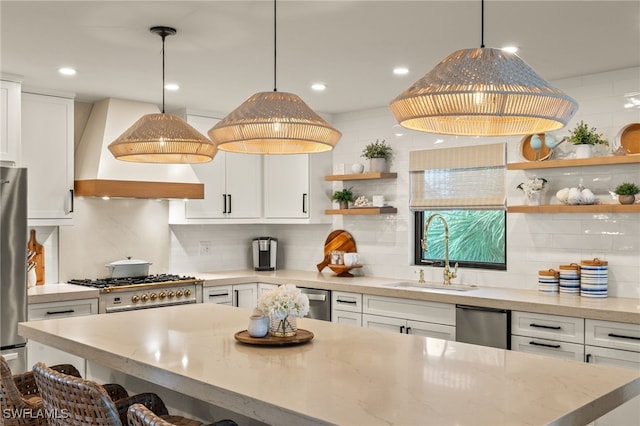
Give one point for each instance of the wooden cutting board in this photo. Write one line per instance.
(37, 248)
(338, 240)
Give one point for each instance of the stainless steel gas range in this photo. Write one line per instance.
(152, 291)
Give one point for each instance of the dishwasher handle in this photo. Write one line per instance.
(481, 308)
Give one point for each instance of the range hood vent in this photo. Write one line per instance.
(99, 174)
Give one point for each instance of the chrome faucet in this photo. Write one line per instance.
(448, 274)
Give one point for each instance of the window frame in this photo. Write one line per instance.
(419, 218)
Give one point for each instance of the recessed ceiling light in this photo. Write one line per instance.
(67, 71)
(510, 49)
(401, 70)
(171, 86)
(318, 87)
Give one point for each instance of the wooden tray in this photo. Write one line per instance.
(302, 336)
(535, 155)
(343, 270)
(630, 138)
(338, 240)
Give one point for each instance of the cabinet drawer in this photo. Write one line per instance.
(419, 310)
(343, 301)
(221, 295)
(612, 357)
(553, 327)
(346, 317)
(547, 347)
(71, 308)
(615, 335)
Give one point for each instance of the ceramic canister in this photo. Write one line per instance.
(570, 278)
(548, 280)
(594, 276)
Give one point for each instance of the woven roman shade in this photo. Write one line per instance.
(463, 177)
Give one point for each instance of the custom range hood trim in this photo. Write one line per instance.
(98, 174)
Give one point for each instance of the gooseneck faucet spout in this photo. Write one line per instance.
(448, 274)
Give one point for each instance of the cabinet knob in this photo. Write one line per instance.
(135, 298)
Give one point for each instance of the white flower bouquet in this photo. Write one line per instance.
(532, 186)
(286, 300)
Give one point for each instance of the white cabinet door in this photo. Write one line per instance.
(346, 317)
(628, 413)
(264, 287)
(37, 352)
(418, 310)
(47, 152)
(286, 186)
(244, 185)
(10, 113)
(232, 182)
(393, 325)
(428, 329)
(245, 295)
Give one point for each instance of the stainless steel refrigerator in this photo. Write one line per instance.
(13, 269)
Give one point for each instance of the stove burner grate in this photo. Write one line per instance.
(116, 282)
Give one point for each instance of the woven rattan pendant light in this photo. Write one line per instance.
(483, 92)
(162, 138)
(274, 123)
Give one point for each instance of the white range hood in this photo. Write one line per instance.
(99, 174)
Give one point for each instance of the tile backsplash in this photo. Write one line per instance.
(535, 241)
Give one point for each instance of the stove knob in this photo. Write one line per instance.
(179, 293)
(153, 296)
(162, 295)
(144, 297)
(135, 298)
(170, 295)
(187, 293)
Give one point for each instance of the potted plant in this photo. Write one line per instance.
(585, 138)
(627, 192)
(378, 153)
(343, 197)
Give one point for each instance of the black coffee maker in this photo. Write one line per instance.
(265, 250)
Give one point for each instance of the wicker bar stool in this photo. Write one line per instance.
(20, 402)
(78, 402)
(139, 415)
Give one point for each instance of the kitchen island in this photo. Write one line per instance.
(345, 375)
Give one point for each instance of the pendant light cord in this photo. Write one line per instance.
(482, 25)
(163, 37)
(275, 48)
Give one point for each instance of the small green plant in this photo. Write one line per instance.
(582, 135)
(344, 195)
(377, 149)
(627, 189)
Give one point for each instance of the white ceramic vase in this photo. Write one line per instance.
(377, 165)
(584, 151)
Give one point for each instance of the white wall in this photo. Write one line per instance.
(138, 228)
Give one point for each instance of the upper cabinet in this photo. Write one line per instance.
(231, 182)
(9, 122)
(251, 188)
(47, 152)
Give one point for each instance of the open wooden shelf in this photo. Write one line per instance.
(362, 176)
(560, 208)
(575, 162)
(363, 211)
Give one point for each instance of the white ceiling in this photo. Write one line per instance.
(223, 51)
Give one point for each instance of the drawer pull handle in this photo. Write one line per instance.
(351, 302)
(402, 329)
(546, 345)
(68, 311)
(409, 330)
(622, 336)
(550, 327)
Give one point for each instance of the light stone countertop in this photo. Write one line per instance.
(609, 309)
(60, 293)
(345, 375)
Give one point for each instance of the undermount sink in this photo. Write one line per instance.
(430, 286)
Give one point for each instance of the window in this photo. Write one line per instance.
(466, 187)
(477, 238)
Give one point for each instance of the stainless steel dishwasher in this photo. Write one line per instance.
(483, 326)
(319, 303)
